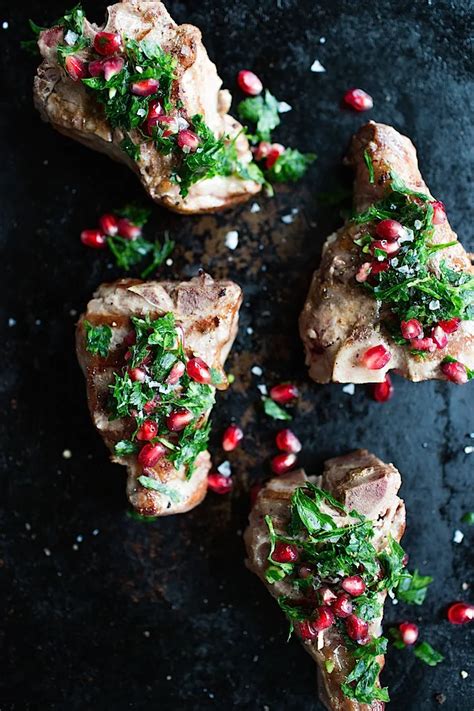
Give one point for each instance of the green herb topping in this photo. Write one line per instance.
(98, 339)
(272, 409)
(162, 388)
(398, 273)
(328, 553)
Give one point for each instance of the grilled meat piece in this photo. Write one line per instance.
(361, 482)
(207, 312)
(341, 320)
(73, 111)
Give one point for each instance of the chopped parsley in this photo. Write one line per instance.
(331, 552)
(261, 111)
(98, 339)
(290, 166)
(370, 166)
(156, 350)
(150, 483)
(468, 518)
(272, 409)
(425, 652)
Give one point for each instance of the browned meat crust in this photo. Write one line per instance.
(208, 312)
(339, 320)
(71, 110)
(361, 481)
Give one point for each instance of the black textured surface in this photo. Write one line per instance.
(166, 615)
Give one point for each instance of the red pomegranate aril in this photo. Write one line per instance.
(106, 67)
(231, 438)
(93, 238)
(262, 150)
(287, 441)
(324, 619)
(283, 463)
(249, 82)
(342, 606)
(145, 87)
(440, 337)
(176, 372)
(327, 596)
(75, 67)
(439, 212)
(390, 248)
(96, 67)
(147, 431)
(451, 325)
(379, 267)
(285, 553)
(354, 585)
(127, 229)
(411, 329)
(276, 150)
(107, 43)
(358, 99)
(188, 141)
(179, 419)
(460, 612)
(137, 374)
(284, 393)
(390, 230)
(356, 628)
(423, 344)
(151, 405)
(455, 372)
(376, 358)
(363, 272)
(219, 484)
(408, 632)
(306, 630)
(198, 370)
(108, 224)
(383, 391)
(149, 454)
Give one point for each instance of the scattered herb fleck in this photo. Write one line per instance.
(98, 339)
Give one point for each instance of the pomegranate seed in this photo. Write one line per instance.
(284, 393)
(179, 419)
(93, 238)
(262, 150)
(231, 438)
(75, 67)
(249, 82)
(327, 596)
(342, 606)
(455, 372)
(287, 441)
(354, 585)
(106, 67)
(363, 272)
(276, 150)
(198, 370)
(282, 463)
(450, 326)
(390, 230)
(108, 225)
(147, 431)
(378, 267)
(219, 484)
(127, 229)
(358, 100)
(188, 141)
(151, 406)
(254, 492)
(356, 628)
(145, 87)
(376, 357)
(306, 630)
(170, 121)
(137, 374)
(325, 618)
(390, 248)
(285, 553)
(107, 43)
(408, 632)
(411, 329)
(383, 391)
(96, 68)
(149, 454)
(439, 212)
(423, 344)
(440, 337)
(460, 612)
(176, 372)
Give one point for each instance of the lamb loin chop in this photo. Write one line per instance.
(395, 288)
(153, 355)
(143, 90)
(327, 549)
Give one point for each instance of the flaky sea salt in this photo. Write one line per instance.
(317, 66)
(232, 239)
